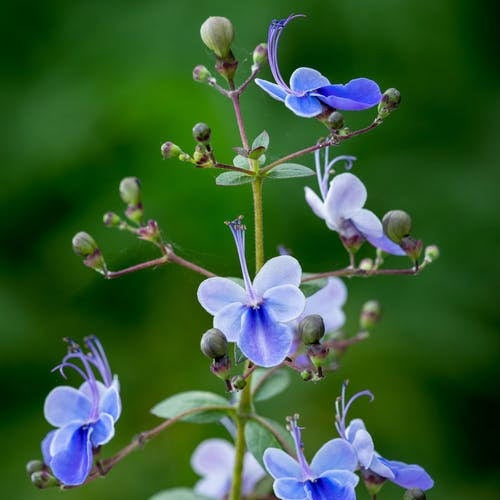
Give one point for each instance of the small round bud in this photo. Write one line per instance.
(111, 219)
(312, 329)
(42, 479)
(83, 244)
(150, 232)
(217, 34)
(306, 375)
(201, 74)
(170, 150)
(260, 54)
(130, 190)
(397, 225)
(371, 313)
(431, 253)
(34, 466)
(412, 247)
(414, 494)
(366, 264)
(213, 344)
(201, 133)
(239, 382)
(390, 101)
(335, 120)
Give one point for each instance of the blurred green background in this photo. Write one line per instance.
(89, 91)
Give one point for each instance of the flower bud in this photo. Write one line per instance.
(306, 375)
(366, 264)
(259, 55)
(221, 367)
(85, 246)
(431, 253)
(318, 354)
(414, 494)
(130, 190)
(170, 150)
(217, 34)
(335, 120)
(201, 156)
(111, 219)
(213, 344)
(201, 74)
(371, 313)
(373, 481)
(397, 225)
(42, 479)
(201, 133)
(412, 247)
(312, 329)
(34, 466)
(239, 382)
(390, 101)
(150, 232)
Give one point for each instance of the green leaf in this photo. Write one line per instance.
(240, 151)
(240, 161)
(233, 179)
(184, 401)
(267, 387)
(282, 432)
(310, 287)
(262, 140)
(258, 439)
(179, 494)
(239, 357)
(289, 171)
(257, 152)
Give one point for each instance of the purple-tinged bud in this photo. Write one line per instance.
(111, 219)
(217, 34)
(201, 74)
(35, 466)
(366, 265)
(259, 55)
(170, 150)
(414, 494)
(390, 102)
(239, 382)
(335, 120)
(373, 481)
(221, 367)
(202, 133)
(306, 375)
(397, 225)
(85, 246)
(312, 329)
(213, 344)
(201, 156)
(412, 247)
(43, 479)
(371, 312)
(318, 354)
(431, 253)
(150, 232)
(130, 190)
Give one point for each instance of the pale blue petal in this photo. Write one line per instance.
(72, 464)
(282, 270)
(315, 202)
(346, 195)
(380, 468)
(216, 293)
(409, 475)
(343, 477)
(263, 340)
(279, 464)
(305, 106)
(363, 444)
(228, 321)
(65, 404)
(354, 426)
(46, 442)
(213, 457)
(325, 488)
(285, 302)
(103, 430)
(305, 79)
(87, 389)
(214, 486)
(367, 223)
(335, 454)
(358, 94)
(289, 489)
(275, 91)
(385, 244)
(252, 473)
(110, 402)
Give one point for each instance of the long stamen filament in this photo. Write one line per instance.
(299, 446)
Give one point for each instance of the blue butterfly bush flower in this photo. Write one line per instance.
(341, 207)
(373, 466)
(309, 92)
(213, 459)
(85, 417)
(255, 316)
(329, 476)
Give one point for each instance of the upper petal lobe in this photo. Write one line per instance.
(285, 302)
(282, 270)
(65, 404)
(306, 79)
(216, 293)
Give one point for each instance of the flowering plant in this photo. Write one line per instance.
(282, 321)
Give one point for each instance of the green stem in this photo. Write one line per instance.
(258, 222)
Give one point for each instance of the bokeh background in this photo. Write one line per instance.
(89, 91)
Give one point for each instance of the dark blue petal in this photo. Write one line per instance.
(275, 91)
(73, 464)
(409, 475)
(358, 94)
(47, 440)
(110, 401)
(306, 79)
(385, 244)
(305, 106)
(263, 340)
(103, 430)
(325, 489)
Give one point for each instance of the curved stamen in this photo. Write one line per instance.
(341, 413)
(64, 365)
(99, 358)
(299, 445)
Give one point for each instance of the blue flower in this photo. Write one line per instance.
(85, 417)
(329, 476)
(255, 316)
(400, 473)
(310, 93)
(213, 459)
(341, 206)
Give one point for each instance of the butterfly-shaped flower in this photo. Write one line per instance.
(310, 93)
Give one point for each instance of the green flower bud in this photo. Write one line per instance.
(335, 120)
(366, 264)
(217, 34)
(371, 313)
(390, 101)
(130, 191)
(412, 247)
(83, 244)
(312, 329)
(397, 225)
(201, 133)
(111, 219)
(201, 156)
(42, 479)
(239, 382)
(34, 466)
(306, 375)
(201, 74)
(414, 494)
(431, 253)
(213, 344)
(170, 150)
(259, 55)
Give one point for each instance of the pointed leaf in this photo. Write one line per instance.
(257, 152)
(261, 140)
(259, 439)
(191, 400)
(239, 357)
(240, 161)
(233, 179)
(289, 171)
(179, 494)
(267, 386)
